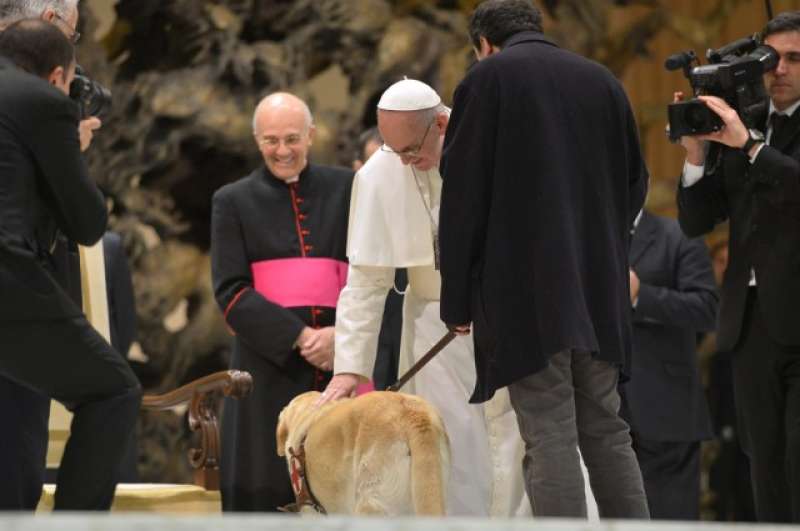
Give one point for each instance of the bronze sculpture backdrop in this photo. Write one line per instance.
(186, 75)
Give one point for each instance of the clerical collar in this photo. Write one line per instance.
(277, 181)
(788, 112)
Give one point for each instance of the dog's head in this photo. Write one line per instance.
(295, 420)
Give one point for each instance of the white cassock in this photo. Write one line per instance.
(390, 227)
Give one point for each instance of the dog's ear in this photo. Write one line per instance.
(282, 433)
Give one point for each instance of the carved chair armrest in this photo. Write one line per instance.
(203, 418)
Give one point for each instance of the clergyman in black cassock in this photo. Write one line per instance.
(278, 264)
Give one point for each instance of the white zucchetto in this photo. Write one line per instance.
(409, 95)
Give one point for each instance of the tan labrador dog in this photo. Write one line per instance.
(381, 453)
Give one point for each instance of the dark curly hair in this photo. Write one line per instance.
(497, 20)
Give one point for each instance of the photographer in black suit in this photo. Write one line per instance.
(46, 342)
(674, 297)
(752, 178)
(24, 412)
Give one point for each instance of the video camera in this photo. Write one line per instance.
(93, 99)
(734, 73)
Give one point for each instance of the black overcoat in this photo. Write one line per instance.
(254, 219)
(543, 176)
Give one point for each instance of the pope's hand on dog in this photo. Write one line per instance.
(341, 386)
(316, 346)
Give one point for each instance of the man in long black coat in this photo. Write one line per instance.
(46, 342)
(674, 297)
(278, 263)
(543, 177)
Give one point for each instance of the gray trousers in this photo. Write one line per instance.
(574, 403)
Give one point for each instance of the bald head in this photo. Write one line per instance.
(283, 129)
(281, 102)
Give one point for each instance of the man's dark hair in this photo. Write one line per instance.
(497, 20)
(37, 47)
(370, 135)
(786, 21)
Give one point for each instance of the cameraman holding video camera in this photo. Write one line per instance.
(46, 343)
(751, 177)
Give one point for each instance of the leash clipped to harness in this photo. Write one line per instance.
(302, 490)
(446, 339)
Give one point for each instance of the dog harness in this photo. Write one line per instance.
(302, 489)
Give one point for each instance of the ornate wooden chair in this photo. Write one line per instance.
(203, 495)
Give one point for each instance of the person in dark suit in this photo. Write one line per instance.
(46, 342)
(119, 288)
(752, 178)
(24, 412)
(674, 297)
(543, 177)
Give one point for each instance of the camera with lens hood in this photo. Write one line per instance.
(93, 99)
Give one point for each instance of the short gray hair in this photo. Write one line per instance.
(14, 10)
(426, 116)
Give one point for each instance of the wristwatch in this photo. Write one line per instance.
(754, 137)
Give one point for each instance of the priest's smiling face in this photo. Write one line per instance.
(283, 131)
(415, 136)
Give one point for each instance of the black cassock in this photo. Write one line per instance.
(278, 262)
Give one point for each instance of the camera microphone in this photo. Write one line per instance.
(679, 60)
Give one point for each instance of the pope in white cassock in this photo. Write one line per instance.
(394, 213)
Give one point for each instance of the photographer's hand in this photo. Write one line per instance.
(733, 133)
(694, 146)
(86, 131)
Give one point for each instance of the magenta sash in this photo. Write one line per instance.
(294, 282)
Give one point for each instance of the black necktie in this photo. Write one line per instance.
(778, 122)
